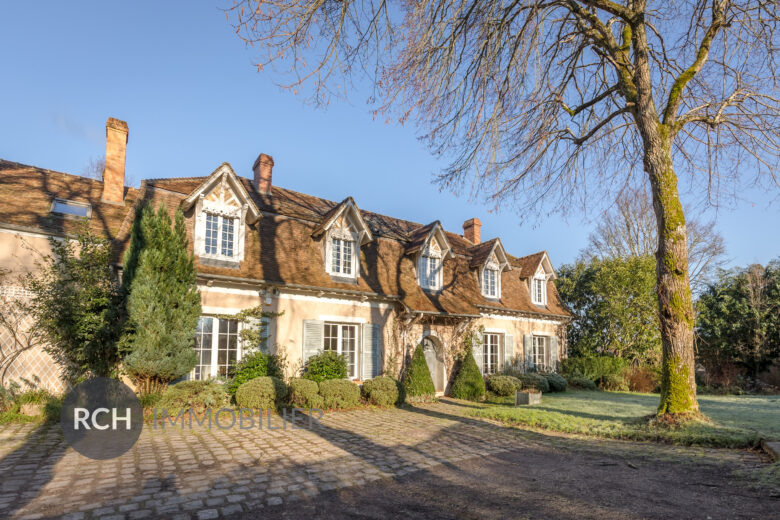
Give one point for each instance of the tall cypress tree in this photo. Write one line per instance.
(162, 301)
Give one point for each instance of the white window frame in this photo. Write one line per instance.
(496, 286)
(214, 365)
(71, 208)
(430, 277)
(220, 238)
(340, 327)
(539, 297)
(203, 210)
(340, 269)
(491, 340)
(539, 347)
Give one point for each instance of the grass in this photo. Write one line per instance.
(732, 421)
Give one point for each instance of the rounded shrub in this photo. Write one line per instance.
(582, 383)
(304, 393)
(503, 385)
(261, 393)
(556, 382)
(535, 381)
(468, 383)
(195, 395)
(614, 383)
(418, 384)
(381, 391)
(325, 365)
(339, 393)
(253, 364)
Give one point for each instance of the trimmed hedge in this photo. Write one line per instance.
(325, 365)
(304, 393)
(339, 393)
(418, 384)
(261, 393)
(468, 383)
(596, 368)
(253, 364)
(536, 381)
(503, 385)
(556, 382)
(195, 395)
(583, 383)
(381, 391)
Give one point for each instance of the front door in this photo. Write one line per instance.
(435, 361)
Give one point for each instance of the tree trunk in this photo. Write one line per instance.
(675, 307)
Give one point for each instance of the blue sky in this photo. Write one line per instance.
(181, 78)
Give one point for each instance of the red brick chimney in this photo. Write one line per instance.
(264, 169)
(114, 173)
(472, 230)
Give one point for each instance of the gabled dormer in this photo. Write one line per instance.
(490, 260)
(223, 209)
(429, 247)
(543, 272)
(343, 230)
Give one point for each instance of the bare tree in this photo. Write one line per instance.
(94, 169)
(552, 103)
(629, 229)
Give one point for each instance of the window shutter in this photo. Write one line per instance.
(509, 350)
(528, 346)
(553, 353)
(370, 351)
(312, 338)
(265, 334)
(478, 357)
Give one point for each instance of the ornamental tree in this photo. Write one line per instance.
(560, 104)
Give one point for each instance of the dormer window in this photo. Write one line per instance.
(491, 277)
(342, 252)
(220, 235)
(430, 267)
(490, 282)
(539, 291)
(223, 210)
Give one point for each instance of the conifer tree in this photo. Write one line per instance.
(468, 383)
(418, 382)
(162, 301)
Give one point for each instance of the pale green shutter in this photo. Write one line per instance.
(312, 338)
(371, 357)
(509, 351)
(477, 351)
(265, 334)
(553, 353)
(528, 346)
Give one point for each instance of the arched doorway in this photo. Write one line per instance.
(434, 356)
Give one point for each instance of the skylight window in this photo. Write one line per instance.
(71, 208)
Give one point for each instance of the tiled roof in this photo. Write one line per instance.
(280, 249)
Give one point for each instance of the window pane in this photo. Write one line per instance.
(331, 337)
(348, 335)
(336, 256)
(212, 222)
(347, 257)
(227, 236)
(69, 207)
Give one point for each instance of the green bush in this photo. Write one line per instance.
(381, 391)
(535, 381)
(195, 395)
(150, 400)
(261, 393)
(325, 365)
(583, 383)
(252, 365)
(556, 382)
(503, 385)
(597, 368)
(339, 393)
(304, 393)
(614, 383)
(418, 384)
(468, 383)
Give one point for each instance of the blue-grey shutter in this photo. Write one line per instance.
(554, 353)
(265, 334)
(509, 351)
(477, 351)
(371, 356)
(528, 346)
(313, 331)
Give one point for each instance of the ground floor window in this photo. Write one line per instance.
(217, 347)
(342, 338)
(539, 352)
(490, 347)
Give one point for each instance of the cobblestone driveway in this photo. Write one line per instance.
(207, 473)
